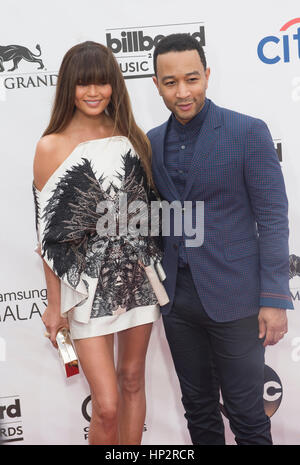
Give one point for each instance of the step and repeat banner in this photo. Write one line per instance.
(253, 49)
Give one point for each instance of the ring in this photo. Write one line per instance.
(282, 332)
(47, 334)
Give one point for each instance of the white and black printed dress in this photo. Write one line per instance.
(104, 289)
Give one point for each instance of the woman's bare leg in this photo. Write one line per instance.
(96, 355)
(132, 350)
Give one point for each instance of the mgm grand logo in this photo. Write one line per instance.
(29, 62)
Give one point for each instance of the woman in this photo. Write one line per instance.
(91, 157)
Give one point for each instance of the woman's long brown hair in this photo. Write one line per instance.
(93, 63)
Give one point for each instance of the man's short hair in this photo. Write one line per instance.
(178, 43)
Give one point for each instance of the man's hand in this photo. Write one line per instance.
(273, 324)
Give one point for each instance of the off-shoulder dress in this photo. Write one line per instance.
(104, 287)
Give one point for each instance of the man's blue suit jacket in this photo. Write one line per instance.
(243, 263)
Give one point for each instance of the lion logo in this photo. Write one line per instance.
(16, 53)
(294, 266)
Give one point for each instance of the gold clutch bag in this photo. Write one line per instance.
(67, 352)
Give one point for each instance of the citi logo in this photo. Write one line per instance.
(286, 47)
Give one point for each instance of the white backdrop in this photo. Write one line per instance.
(37, 404)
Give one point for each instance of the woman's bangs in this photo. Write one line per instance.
(92, 69)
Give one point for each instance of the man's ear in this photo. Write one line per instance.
(154, 78)
(207, 75)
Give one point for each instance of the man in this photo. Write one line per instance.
(228, 297)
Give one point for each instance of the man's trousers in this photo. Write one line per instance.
(209, 356)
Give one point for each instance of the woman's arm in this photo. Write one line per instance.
(45, 162)
(52, 318)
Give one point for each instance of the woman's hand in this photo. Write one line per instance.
(53, 321)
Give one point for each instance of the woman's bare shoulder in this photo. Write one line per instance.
(49, 155)
(48, 142)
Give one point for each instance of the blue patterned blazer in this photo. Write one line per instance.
(243, 263)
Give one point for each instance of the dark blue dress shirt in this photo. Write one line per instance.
(179, 151)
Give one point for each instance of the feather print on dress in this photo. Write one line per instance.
(72, 243)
